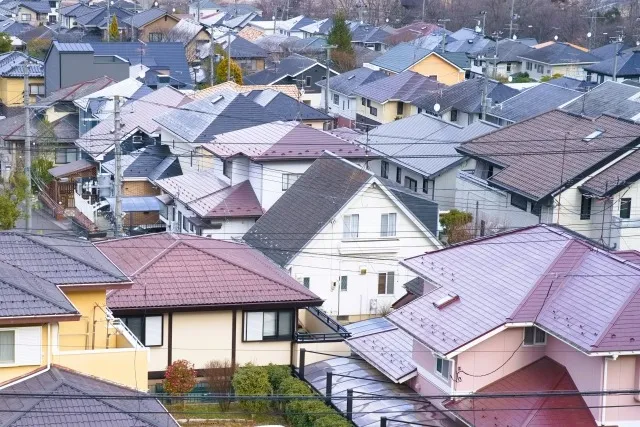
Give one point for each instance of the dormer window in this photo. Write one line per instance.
(593, 135)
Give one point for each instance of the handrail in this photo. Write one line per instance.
(319, 337)
(320, 314)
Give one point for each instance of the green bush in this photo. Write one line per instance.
(277, 373)
(293, 387)
(331, 421)
(303, 413)
(251, 380)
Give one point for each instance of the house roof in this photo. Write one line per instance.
(97, 18)
(313, 44)
(145, 17)
(321, 27)
(608, 50)
(208, 196)
(466, 96)
(152, 162)
(533, 101)
(291, 90)
(250, 33)
(285, 107)
(401, 57)
(137, 115)
(627, 64)
(185, 31)
(174, 270)
(242, 48)
(543, 375)
(611, 98)
(12, 65)
(508, 50)
(367, 33)
(629, 255)
(559, 53)
(36, 6)
(617, 176)
(346, 83)
(200, 121)
(555, 150)
(304, 209)
(406, 87)
(413, 31)
(55, 387)
(439, 140)
(571, 83)
(38, 33)
(70, 168)
(290, 66)
(384, 346)
(281, 141)
(548, 273)
(13, 28)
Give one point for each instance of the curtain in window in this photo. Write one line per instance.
(7, 346)
(270, 324)
(285, 324)
(135, 326)
(253, 326)
(390, 282)
(153, 330)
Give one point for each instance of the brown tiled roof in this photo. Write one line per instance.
(250, 33)
(546, 152)
(182, 271)
(543, 375)
(291, 90)
(621, 174)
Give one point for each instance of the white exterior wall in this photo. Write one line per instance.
(317, 263)
(627, 236)
(272, 173)
(346, 106)
(232, 228)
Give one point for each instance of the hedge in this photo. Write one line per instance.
(331, 421)
(251, 380)
(293, 387)
(303, 413)
(277, 373)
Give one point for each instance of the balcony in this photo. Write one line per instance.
(318, 326)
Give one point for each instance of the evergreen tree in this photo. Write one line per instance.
(340, 35)
(114, 33)
(221, 71)
(5, 42)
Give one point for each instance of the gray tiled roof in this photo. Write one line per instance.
(615, 99)
(365, 33)
(349, 81)
(37, 395)
(285, 107)
(153, 162)
(608, 50)
(241, 48)
(73, 47)
(37, 6)
(627, 65)
(290, 66)
(406, 87)
(531, 102)
(508, 50)
(400, 57)
(619, 175)
(11, 65)
(145, 17)
(559, 53)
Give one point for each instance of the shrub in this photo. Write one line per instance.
(219, 375)
(251, 380)
(333, 420)
(277, 373)
(303, 413)
(180, 378)
(455, 225)
(293, 387)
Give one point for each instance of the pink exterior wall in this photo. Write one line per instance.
(492, 354)
(586, 372)
(621, 374)
(426, 362)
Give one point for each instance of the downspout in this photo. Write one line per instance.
(604, 388)
(50, 347)
(637, 378)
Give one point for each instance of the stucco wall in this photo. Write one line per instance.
(162, 26)
(11, 90)
(435, 66)
(91, 330)
(621, 374)
(202, 337)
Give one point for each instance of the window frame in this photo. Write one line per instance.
(13, 361)
(425, 185)
(22, 15)
(625, 208)
(143, 338)
(384, 169)
(269, 338)
(440, 372)
(351, 232)
(306, 282)
(226, 168)
(385, 220)
(344, 283)
(453, 115)
(336, 100)
(399, 108)
(286, 180)
(520, 202)
(156, 37)
(386, 276)
(585, 207)
(411, 183)
(399, 175)
(535, 342)
(307, 81)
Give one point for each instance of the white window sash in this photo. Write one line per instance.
(153, 331)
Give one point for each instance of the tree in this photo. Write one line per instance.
(11, 197)
(114, 32)
(340, 36)
(454, 224)
(180, 378)
(219, 375)
(548, 78)
(221, 71)
(5, 42)
(40, 168)
(38, 48)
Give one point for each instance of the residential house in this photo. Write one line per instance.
(67, 177)
(624, 66)
(258, 312)
(609, 50)
(294, 69)
(34, 13)
(611, 98)
(557, 58)
(342, 97)
(290, 90)
(203, 7)
(501, 59)
(69, 14)
(250, 33)
(12, 70)
(468, 41)
(292, 26)
(530, 103)
(429, 167)
(237, 21)
(55, 312)
(590, 191)
(318, 28)
(465, 102)
(555, 330)
(311, 47)
(345, 235)
(248, 55)
(388, 99)
(289, 109)
(447, 68)
(192, 35)
(369, 36)
(151, 25)
(96, 22)
(413, 31)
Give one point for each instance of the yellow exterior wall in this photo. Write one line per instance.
(434, 65)
(387, 112)
(205, 159)
(11, 90)
(81, 335)
(201, 337)
(192, 47)
(9, 373)
(162, 26)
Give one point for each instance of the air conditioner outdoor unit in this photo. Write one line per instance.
(175, 227)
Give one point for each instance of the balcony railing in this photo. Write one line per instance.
(338, 332)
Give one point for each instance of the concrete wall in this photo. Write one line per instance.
(444, 72)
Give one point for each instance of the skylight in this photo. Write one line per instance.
(350, 77)
(217, 99)
(596, 133)
(445, 301)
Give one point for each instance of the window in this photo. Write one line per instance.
(288, 179)
(350, 226)
(148, 329)
(386, 282)
(585, 208)
(179, 217)
(400, 108)
(36, 90)
(66, 155)
(625, 208)
(173, 213)
(363, 101)
(155, 37)
(454, 115)
(529, 66)
(307, 81)
(373, 111)
(226, 168)
(384, 169)
(443, 367)
(519, 201)
(388, 225)
(534, 336)
(425, 185)
(399, 175)
(419, 110)
(508, 67)
(343, 283)
(336, 99)
(268, 325)
(483, 228)
(7, 346)
(185, 223)
(490, 171)
(536, 208)
(306, 281)
(476, 63)
(191, 229)
(470, 118)
(411, 183)
(26, 17)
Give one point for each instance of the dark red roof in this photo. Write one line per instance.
(179, 270)
(630, 255)
(543, 375)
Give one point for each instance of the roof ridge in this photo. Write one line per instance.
(154, 259)
(534, 411)
(26, 410)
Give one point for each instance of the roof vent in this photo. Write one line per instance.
(217, 99)
(445, 301)
(593, 135)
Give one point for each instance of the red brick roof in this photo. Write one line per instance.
(179, 270)
(543, 375)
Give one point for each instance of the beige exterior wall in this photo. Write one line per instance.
(36, 19)
(162, 26)
(11, 90)
(386, 113)
(622, 373)
(191, 50)
(140, 188)
(200, 337)
(444, 72)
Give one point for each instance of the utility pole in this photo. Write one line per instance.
(108, 21)
(424, 8)
(229, 55)
(118, 159)
(511, 19)
(27, 142)
(135, 10)
(326, 92)
(444, 32)
(198, 12)
(211, 57)
(618, 39)
(483, 105)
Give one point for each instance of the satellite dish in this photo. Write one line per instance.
(555, 38)
(436, 107)
(514, 37)
(589, 34)
(510, 79)
(174, 10)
